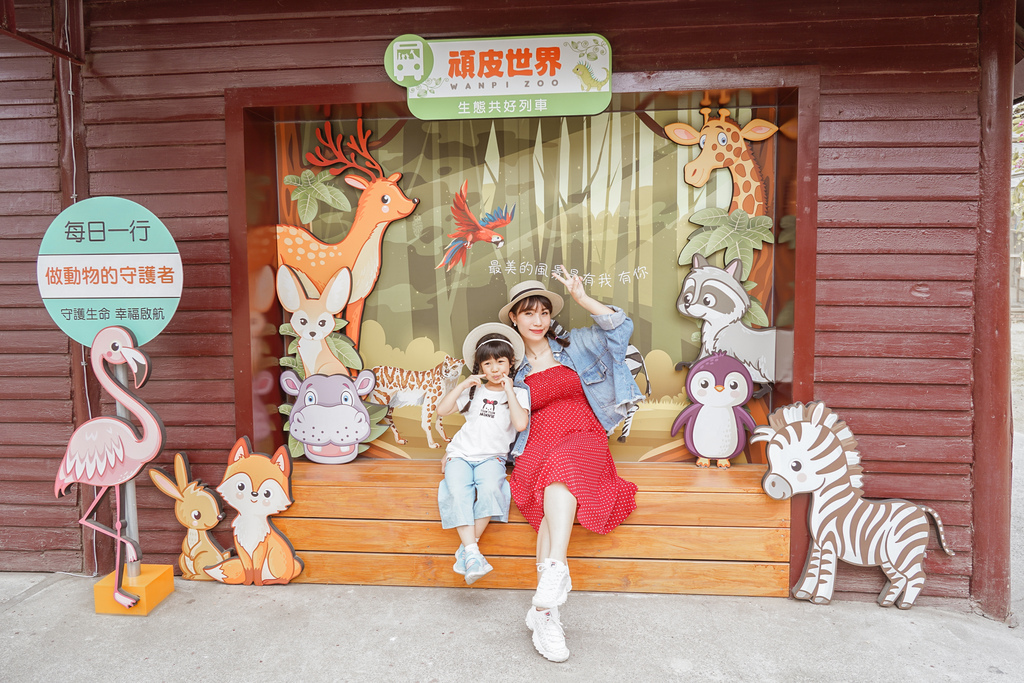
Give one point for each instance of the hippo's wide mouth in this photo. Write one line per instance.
(331, 450)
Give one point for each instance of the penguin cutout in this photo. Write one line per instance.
(718, 386)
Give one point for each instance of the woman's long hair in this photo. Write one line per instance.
(534, 302)
(491, 347)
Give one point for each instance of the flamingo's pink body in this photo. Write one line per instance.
(109, 451)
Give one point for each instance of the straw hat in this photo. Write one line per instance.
(481, 331)
(528, 288)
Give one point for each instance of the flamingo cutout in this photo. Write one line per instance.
(109, 451)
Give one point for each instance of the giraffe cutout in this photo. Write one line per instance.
(723, 144)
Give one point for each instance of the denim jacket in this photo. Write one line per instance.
(597, 354)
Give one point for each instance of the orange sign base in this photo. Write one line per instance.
(152, 585)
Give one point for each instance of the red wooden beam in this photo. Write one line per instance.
(990, 583)
(9, 27)
(7, 22)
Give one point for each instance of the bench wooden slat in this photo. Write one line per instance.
(637, 576)
(653, 507)
(667, 542)
(417, 473)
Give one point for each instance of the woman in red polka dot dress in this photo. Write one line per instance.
(579, 391)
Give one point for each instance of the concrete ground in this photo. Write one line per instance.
(204, 632)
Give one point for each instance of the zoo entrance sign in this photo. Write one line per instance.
(489, 78)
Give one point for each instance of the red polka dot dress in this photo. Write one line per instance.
(567, 444)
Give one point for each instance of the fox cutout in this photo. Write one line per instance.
(257, 486)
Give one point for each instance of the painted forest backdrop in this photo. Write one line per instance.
(604, 195)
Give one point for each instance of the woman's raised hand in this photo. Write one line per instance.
(573, 283)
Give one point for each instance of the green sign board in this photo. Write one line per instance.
(488, 78)
(109, 261)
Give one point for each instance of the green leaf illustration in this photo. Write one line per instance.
(696, 245)
(311, 189)
(287, 330)
(737, 233)
(295, 447)
(710, 217)
(293, 364)
(376, 411)
(376, 430)
(755, 315)
(307, 203)
(335, 198)
(293, 347)
(344, 351)
(787, 234)
(742, 250)
(285, 409)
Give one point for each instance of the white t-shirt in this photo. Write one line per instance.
(488, 430)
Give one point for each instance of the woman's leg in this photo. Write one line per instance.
(543, 542)
(559, 515)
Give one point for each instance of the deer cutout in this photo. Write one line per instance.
(381, 203)
(723, 144)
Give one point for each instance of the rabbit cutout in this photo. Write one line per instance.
(313, 318)
(198, 509)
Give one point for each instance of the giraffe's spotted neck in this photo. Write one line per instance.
(747, 185)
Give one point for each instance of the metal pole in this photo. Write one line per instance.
(131, 512)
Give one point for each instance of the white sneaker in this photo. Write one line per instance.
(548, 636)
(477, 566)
(554, 585)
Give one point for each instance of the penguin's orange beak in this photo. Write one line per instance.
(719, 387)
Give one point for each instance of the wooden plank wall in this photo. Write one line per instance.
(897, 215)
(37, 531)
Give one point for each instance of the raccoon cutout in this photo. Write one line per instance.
(716, 296)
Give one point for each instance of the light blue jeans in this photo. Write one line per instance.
(472, 491)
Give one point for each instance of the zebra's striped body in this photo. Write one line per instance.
(811, 451)
(636, 365)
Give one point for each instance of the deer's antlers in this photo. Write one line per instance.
(347, 161)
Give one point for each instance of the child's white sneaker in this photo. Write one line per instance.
(460, 560)
(477, 566)
(548, 635)
(554, 585)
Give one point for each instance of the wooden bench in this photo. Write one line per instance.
(694, 531)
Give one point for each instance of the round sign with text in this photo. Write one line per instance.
(109, 261)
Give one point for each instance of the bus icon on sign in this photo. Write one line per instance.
(408, 59)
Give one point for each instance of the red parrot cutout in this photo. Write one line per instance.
(470, 230)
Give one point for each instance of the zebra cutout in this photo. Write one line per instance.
(810, 450)
(636, 365)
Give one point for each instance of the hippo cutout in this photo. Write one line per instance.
(328, 417)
